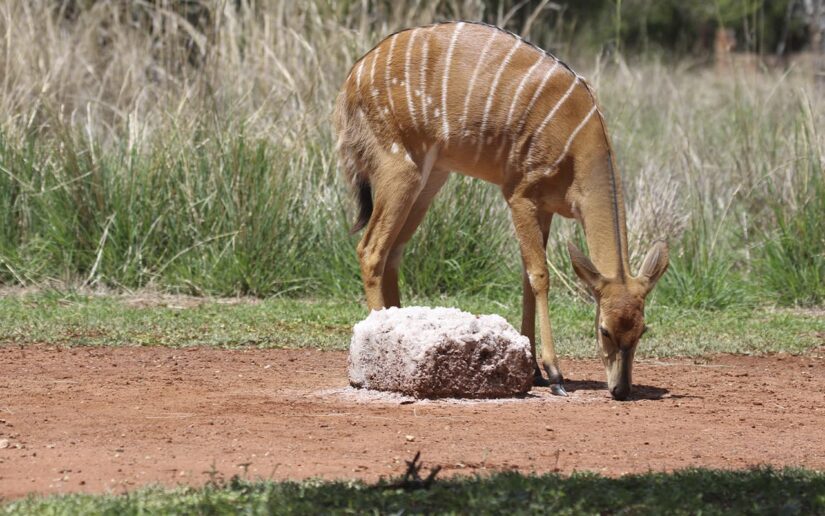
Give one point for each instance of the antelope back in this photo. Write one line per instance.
(486, 97)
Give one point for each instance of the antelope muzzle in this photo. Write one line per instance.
(619, 368)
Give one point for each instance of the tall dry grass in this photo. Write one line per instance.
(187, 146)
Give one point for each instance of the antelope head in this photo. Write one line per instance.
(620, 312)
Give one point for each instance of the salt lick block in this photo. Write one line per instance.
(439, 352)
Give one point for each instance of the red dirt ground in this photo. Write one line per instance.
(112, 419)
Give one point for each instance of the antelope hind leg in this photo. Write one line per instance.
(395, 184)
(389, 286)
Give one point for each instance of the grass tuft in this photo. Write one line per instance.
(188, 148)
(691, 491)
(793, 259)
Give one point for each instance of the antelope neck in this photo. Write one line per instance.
(601, 212)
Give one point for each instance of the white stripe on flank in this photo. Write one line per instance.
(358, 75)
(410, 105)
(387, 74)
(372, 68)
(513, 104)
(423, 78)
(373, 89)
(445, 79)
(520, 88)
(491, 95)
(572, 137)
(529, 109)
(473, 82)
(540, 129)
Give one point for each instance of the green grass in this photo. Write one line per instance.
(696, 491)
(793, 260)
(150, 150)
(79, 320)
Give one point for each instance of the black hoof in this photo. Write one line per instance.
(558, 389)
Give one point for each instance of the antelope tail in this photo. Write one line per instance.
(347, 157)
(364, 204)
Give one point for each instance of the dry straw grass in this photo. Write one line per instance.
(231, 100)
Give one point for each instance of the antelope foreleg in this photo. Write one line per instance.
(531, 231)
(528, 326)
(528, 306)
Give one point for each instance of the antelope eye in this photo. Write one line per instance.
(604, 331)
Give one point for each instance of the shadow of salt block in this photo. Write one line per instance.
(439, 352)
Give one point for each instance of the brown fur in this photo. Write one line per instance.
(520, 119)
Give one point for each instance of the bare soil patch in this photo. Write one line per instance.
(113, 419)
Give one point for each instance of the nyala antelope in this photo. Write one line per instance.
(475, 99)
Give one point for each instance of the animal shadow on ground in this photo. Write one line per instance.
(639, 392)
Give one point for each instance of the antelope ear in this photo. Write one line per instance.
(584, 268)
(655, 265)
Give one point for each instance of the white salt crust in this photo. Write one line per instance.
(374, 397)
(439, 352)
